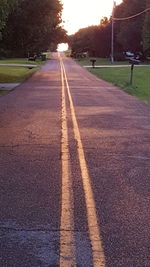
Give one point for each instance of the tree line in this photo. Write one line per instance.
(129, 35)
(30, 26)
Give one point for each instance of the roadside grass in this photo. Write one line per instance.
(16, 74)
(100, 61)
(121, 76)
(3, 92)
(9, 74)
(20, 61)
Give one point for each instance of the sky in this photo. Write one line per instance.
(79, 14)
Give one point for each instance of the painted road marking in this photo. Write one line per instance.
(67, 239)
(94, 232)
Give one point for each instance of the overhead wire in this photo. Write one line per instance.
(133, 16)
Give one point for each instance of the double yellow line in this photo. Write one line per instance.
(67, 238)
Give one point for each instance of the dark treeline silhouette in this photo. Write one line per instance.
(129, 35)
(30, 26)
(94, 39)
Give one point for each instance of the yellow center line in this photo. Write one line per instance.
(94, 231)
(67, 239)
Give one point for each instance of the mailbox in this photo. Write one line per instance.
(93, 60)
(133, 61)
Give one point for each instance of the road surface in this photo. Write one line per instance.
(74, 172)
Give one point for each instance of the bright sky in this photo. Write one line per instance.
(79, 14)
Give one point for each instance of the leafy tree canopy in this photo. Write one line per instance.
(146, 30)
(129, 32)
(5, 8)
(32, 26)
(94, 39)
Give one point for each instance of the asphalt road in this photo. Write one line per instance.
(74, 172)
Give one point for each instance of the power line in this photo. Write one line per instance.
(136, 15)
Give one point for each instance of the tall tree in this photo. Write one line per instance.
(5, 8)
(94, 39)
(146, 30)
(129, 32)
(33, 26)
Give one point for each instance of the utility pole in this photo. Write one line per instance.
(112, 33)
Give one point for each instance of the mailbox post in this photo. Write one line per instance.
(93, 60)
(133, 62)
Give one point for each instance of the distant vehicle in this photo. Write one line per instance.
(128, 54)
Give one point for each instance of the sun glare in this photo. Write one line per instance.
(62, 47)
(79, 14)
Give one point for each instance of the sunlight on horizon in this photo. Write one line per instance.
(79, 14)
(62, 47)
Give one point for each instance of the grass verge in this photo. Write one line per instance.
(20, 61)
(3, 92)
(100, 61)
(13, 74)
(121, 76)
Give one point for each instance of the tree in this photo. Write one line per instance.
(83, 40)
(5, 8)
(146, 30)
(33, 26)
(129, 35)
(94, 39)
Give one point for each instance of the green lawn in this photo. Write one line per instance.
(10, 74)
(121, 76)
(100, 61)
(20, 61)
(3, 92)
(13, 74)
